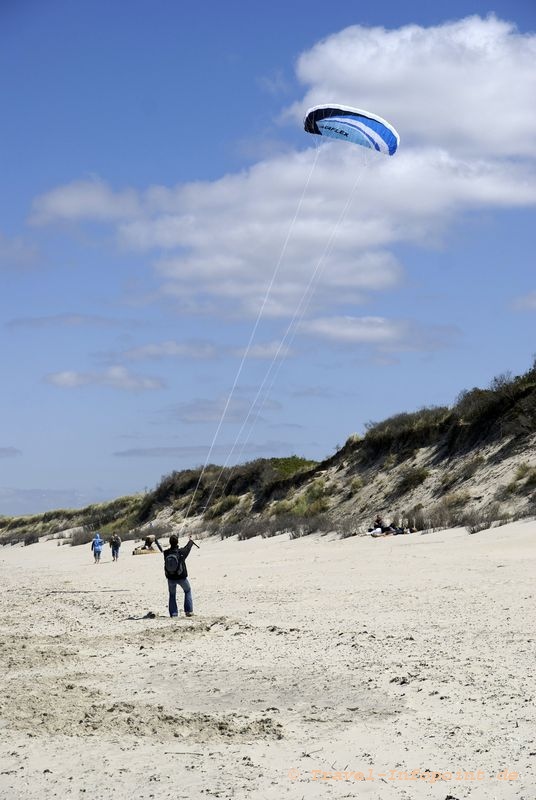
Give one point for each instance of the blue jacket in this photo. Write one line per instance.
(97, 544)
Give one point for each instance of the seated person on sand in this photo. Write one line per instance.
(380, 528)
(148, 542)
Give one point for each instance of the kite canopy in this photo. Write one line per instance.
(352, 125)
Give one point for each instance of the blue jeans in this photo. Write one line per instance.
(115, 553)
(184, 583)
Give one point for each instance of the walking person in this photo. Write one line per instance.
(115, 544)
(177, 574)
(96, 546)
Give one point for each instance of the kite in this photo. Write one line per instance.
(352, 125)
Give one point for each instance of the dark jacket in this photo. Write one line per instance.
(183, 553)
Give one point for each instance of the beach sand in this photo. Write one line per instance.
(308, 662)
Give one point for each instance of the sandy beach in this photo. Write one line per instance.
(315, 668)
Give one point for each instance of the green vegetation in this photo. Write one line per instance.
(293, 491)
(117, 515)
(523, 483)
(224, 505)
(288, 467)
(456, 500)
(505, 491)
(389, 462)
(403, 432)
(310, 503)
(527, 474)
(491, 518)
(355, 487)
(186, 491)
(506, 409)
(410, 478)
(530, 482)
(195, 491)
(293, 524)
(522, 471)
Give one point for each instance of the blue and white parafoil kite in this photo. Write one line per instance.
(352, 125)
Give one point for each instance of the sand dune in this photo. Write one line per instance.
(313, 668)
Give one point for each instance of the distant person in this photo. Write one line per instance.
(381, 527)
(148, 542)
(96, 546)
(177, 574)
(115, 544)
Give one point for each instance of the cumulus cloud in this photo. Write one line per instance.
(196, 350)
(237, 236)
(307, 234)
(116, 377)
(84, 200)
(265, 350)
(379, 332)
(467, 86)
(227, 238)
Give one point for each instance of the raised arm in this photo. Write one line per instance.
(187, 547)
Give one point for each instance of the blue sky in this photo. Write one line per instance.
(187, 275)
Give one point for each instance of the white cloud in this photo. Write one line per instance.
(468, 85)
(461, 95)
(228, 237)
(233, 243)
(116, 377)
(267, 350)
(84, 200)
(172, 349)
(384, 334)
(357, 330)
